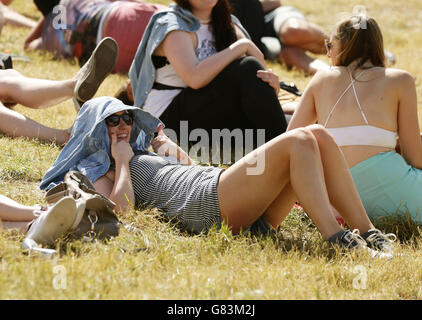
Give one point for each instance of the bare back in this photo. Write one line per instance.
(376, 89)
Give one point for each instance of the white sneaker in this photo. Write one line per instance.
(80, 210)
(33, 248)
(54, 222)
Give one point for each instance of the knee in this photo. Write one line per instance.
(6, 75)
(293, 31)
(249, 64)
(7, 83)
(320, 133)
(243, 70)
(301, 139)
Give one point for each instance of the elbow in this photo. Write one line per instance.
(195, 85)
(122, 204)
(196, 81)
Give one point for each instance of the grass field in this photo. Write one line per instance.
(157, 262)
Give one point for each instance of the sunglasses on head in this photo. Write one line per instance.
(114, 119)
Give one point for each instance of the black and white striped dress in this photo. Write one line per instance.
(187, 194)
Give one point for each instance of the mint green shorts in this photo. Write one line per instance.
(387, 185)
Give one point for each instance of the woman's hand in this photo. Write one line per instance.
(164, 146)
(121, 151)
(271, 78)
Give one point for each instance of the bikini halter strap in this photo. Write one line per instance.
(352, 84)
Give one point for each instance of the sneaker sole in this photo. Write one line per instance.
(80, 210)
(102, 63)
(58, 221)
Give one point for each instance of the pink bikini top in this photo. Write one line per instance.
(361, 135)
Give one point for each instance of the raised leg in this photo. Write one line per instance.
(292, 162)
(340, 186)
(31, 92)
(303, 164)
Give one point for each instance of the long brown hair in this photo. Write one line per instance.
(221, 23)
(360, 39)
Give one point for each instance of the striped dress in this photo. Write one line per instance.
(186, 194)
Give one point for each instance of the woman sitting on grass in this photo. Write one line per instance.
(195, 64)
(366, 106)
(304, 164)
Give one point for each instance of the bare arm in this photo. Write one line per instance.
(305, 112)
(269, 5)
(163, 146)
(408, 124)
(179, 49)
(118, 186)
(35, 33)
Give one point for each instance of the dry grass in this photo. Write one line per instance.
(158, 262)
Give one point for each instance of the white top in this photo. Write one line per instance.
(158, 100)
(361, 135)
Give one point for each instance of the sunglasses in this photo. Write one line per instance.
(329, 44)
(114, 119)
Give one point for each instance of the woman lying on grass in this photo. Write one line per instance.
(40, 93)
(366, 106)
(110, 141)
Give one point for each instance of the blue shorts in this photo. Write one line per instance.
(387, 185)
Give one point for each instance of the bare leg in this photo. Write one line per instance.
(14, 215)
(292, 162)
(31, 92)
(296, 57)
(295, 164)
(16, 19)
(20, 226)
(340, 186)
(11, 210)
(15, 124)
(304, 35)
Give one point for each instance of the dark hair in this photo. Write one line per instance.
(360, 39)
(123, 96)
(221, 23)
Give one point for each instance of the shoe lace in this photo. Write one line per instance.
(380, 239)
(356, 236)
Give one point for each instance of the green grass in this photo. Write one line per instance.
(157, 261)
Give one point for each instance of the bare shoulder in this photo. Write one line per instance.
(399, 75)
(400, 81)
(175, 39)
(325, 76)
